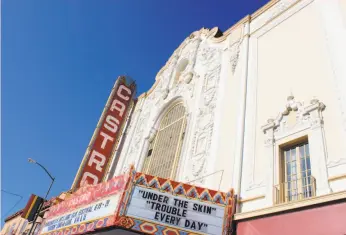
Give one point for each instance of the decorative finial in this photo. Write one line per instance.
(291, 96)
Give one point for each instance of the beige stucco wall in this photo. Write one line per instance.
(291, 54)
(230, 111)
(292, 57)
(224, 156)
(343, 10)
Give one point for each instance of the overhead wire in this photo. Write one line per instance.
(14, 206)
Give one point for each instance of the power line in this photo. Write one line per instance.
(14, 194)
(11, 193)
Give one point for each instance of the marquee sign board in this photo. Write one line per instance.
(89, 208)
(154, 205)
(100, 209)
(99, 154)
(145, 204)
(176, 211)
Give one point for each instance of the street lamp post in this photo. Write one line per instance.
(45, 198)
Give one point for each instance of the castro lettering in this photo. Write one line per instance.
(101, 150)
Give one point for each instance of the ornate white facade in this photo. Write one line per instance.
(276, 76)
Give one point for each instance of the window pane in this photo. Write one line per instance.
(294, 168)
(308, 173)
(293, 154)
(294, 195)
(301, 151)
(302, 164)
(294, 177)
(287, 155)
(288, 167)
(306, 192)
(308, 166)
(307, 152)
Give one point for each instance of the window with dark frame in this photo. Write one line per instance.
(297, 180)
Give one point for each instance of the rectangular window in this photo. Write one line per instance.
(297, 181)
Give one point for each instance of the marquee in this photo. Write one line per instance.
(145, 204)
(155, 205)
(91, 207)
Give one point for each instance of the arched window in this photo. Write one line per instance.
(164, 151)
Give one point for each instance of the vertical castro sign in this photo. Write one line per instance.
(112, 120)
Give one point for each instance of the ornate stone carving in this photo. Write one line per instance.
(152, 134)
(187, 77)
(190, 50)
(316, 123)
(164, 93)
(234, 54)
(205, 118)
(211, 59)
(138, 135)
(191, 87)
(206, 55)
(302, 116)
(174, 79)
(305, 117)
(204, 31)
(210, 84)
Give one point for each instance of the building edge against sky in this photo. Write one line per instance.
(229, 109)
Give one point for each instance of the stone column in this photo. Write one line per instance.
(272, 159)
(317, 148)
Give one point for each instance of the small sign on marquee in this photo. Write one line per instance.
(91, 212)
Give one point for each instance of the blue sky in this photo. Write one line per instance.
(59, 62)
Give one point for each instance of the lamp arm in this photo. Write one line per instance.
(52, 178)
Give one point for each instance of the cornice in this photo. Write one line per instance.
(263, 9)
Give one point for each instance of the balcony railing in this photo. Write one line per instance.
(295, 190)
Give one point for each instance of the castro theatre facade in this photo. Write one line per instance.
(256, 113)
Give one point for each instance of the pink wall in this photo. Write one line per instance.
(326, 220)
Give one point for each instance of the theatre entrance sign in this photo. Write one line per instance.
(145, 204)
(176, 211)
(157, 204)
